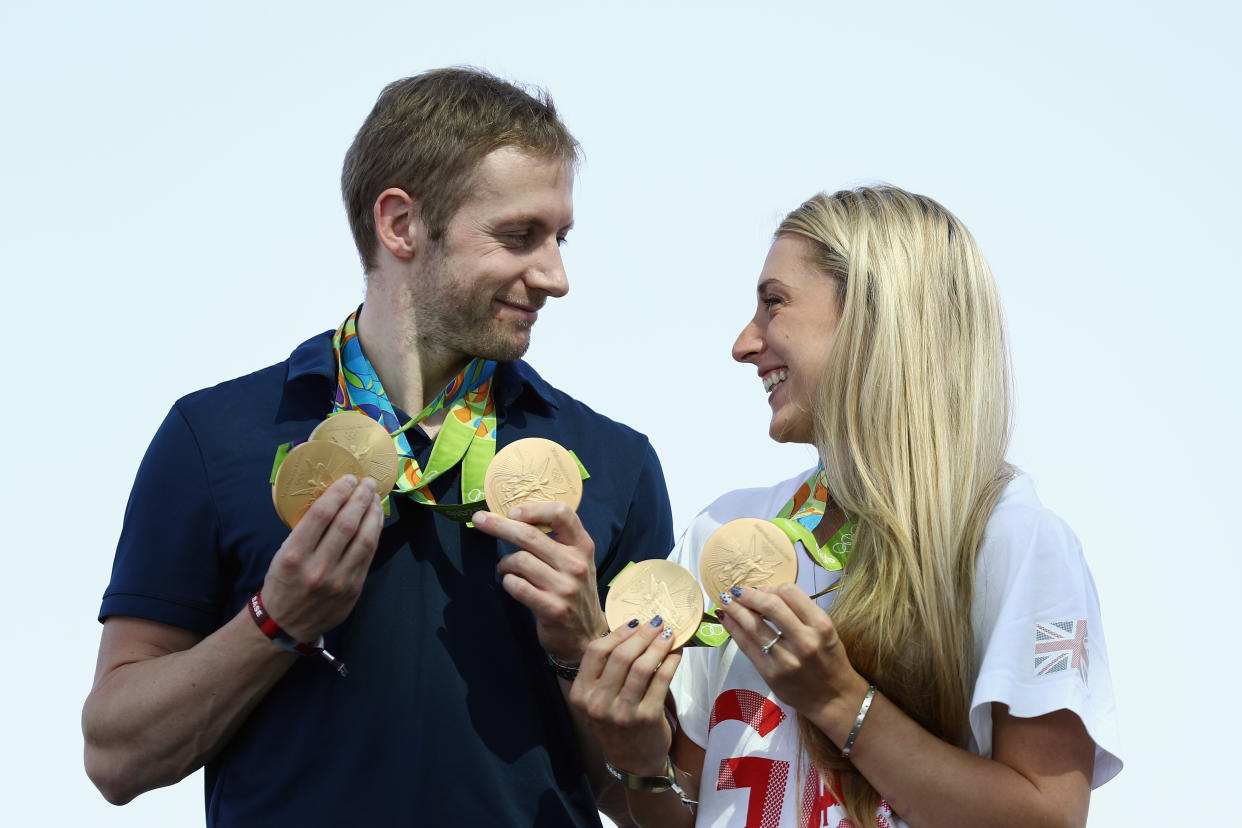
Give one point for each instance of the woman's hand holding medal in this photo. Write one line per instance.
(753, 566)
(655, 607)
(621, 687)
(805, 664)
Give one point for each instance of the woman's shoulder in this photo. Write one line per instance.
(758, 502)
(1026, 543)
(1020, 520)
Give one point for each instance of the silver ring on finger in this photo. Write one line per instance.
(767, 648)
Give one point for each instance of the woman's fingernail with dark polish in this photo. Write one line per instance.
(657, 621)
(632, 624)
(737, 591)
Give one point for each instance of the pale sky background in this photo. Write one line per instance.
(172, 219)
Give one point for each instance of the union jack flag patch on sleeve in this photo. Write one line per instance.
(1060, 646)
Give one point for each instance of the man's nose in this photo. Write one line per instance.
(547, 271)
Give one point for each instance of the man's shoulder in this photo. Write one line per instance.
(207, 399)
(568, 410)
(308, 364)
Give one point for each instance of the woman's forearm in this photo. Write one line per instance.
(1040, 776)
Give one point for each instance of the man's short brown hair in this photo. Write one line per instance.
(427, 134)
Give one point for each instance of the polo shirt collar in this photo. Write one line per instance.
(513, 379)
(313, 357)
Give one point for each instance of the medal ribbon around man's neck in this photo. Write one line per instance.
(467, 436)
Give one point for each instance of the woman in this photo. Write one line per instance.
(953, 672)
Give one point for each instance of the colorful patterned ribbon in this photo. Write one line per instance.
(468, 434)
(799, 518)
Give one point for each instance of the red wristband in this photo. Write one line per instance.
(268, 626)
(259, 613)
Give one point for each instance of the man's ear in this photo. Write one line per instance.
(397, 222)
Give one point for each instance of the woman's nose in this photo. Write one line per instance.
(749, 343)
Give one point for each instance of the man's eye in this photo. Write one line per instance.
(561, 241)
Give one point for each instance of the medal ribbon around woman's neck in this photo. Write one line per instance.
(468, 434)
(799, 518)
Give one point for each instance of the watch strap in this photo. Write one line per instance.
(650, 784)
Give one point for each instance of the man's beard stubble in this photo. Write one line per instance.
(454, 327)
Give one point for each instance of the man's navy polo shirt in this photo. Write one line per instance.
(450, 715)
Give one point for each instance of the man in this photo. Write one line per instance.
(459, 193)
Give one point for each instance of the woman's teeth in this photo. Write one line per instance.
(774, 379)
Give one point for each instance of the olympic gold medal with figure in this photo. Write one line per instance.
(747, 552)
(656, 587)
(306, 472)
(366, 440)
(532, 470)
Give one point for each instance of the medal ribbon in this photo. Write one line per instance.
(467, 436)
(798, 519)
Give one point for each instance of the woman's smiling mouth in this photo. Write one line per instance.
(773, 379)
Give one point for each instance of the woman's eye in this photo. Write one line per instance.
(770, 301)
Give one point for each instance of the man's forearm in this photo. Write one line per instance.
(165, 701)
(158, 712)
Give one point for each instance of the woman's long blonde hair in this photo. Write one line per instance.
(912, 424)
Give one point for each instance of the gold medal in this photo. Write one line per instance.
(366, 440)
(747, 552)
(306, 471)
(656, 587)
(531, 470)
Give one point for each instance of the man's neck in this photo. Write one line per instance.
(413, 372)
